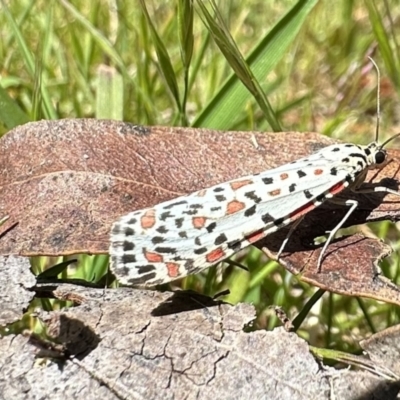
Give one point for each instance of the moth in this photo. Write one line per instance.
(193, 232)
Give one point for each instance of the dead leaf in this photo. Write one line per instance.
(65, 182)
(383, 349)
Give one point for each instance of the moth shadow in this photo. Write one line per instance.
(184, 300)
(67, 338)
(323, 219)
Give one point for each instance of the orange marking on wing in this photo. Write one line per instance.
(199, 222)
(215, 255)
(318, 171)
(153, 257)
(201, 193)
(234, 206)
(284, 176)
(238, 184)
(255, 237)
(147, 220)
(275, 192)
(337, 188)
(302, 210)
(173, 269)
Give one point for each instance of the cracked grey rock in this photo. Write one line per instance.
(15, 279)
(130, 344)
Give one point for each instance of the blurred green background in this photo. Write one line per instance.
(168, 63)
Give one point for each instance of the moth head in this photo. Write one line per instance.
(380, 156)
(376, 153)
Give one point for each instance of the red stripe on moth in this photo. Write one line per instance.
(199, 222)
(337, 188)
(238, 184)
(172, 270)
(284, 176)
(318, 171)
(147, 220)
(302, 210)
(215, 255)
(201, 193)
(275, 192)
(255, 237)
(234, 206)
(153, 257)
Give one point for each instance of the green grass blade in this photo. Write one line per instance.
(382, 37)
(98, 37)
(164, 60)
(186, 43)
(110, 94)
(232, 54)
(30, 62)
(229, 102)
(10, 113)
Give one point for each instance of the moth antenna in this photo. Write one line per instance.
(378, 99)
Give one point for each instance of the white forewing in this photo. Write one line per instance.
(199, 229)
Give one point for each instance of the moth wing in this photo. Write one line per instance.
(190, 233)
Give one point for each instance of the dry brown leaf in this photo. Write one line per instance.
(65, 182)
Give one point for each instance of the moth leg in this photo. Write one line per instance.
(353, 205)
(375, 190)
(291, 230)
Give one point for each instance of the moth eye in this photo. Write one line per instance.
(380, 157)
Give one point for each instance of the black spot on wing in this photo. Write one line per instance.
(266, 218)
(183, 234)
(129, 231)
(216, 208)
(116, 230)
(143, 269)
(191, 212)
(333, 171)
(211, 227)
(235, 245)
(179, 222)
(165, 215)
(220, 239)
(199, 251)
(278, 221)
(301, 173)
(267, 180)
(292, 187)
(218, 189)
(350, 178)
(197, 241)
(128, 246)
(359, 155)
(162, 229)
(144, 278)
(220, 197)
(157, 239)
(252, 196)
(308, 194)
(128, 258)
(250, 211)
(165, 250)
(177, 203)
